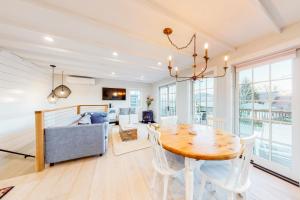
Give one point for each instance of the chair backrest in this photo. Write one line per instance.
(159, 158)
(239, 175)
(168, 121)
(216, 122)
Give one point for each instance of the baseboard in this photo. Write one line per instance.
(289, 180)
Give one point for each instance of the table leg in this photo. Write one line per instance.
(189, 178)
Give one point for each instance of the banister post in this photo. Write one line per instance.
(39, 141)
(78, 109)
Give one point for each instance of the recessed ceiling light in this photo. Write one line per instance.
(113, 73)
(115, 53)
(159, 63)
(48, 39)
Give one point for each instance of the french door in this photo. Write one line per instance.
(167, 100)
(264, 95)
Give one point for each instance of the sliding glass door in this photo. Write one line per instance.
(167, 100)
(264, 108)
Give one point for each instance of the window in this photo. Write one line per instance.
(265, 94)
(167, 100)
(203, 100)
(135, 98)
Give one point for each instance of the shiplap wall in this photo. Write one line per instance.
(23, 89)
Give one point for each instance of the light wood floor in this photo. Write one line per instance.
(125, 177)
(12, 165)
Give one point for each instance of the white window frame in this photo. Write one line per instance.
(193, 98)
(168, 100)
(139, 99)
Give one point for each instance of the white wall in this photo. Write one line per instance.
(24, 88)
(92, 94)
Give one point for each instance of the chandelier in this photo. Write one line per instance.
(196, 75)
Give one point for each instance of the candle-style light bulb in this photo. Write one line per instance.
(176, 71)
(206, 49)
(225, 59)
(170, 59)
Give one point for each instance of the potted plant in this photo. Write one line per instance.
(149, 101)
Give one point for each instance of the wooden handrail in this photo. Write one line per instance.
(39, 132)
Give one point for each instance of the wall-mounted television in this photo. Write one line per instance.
(113, 94)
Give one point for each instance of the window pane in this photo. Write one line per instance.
(135, 98)
(261, 91)
(281, 70)
(262, 148)
(246, 109)
(210, 95)
(245, 76)
(262, 129)
(261, 73)
(210, 83)
(282, 90)
(282, 111)
(282, 154)
(203, 100)
(245, 127)
(246, 91)
(282, 133)
(261, 110)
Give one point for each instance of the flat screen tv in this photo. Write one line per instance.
(113, 94)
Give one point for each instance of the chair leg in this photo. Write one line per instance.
(202, 187)
(244, 195)
(166, 182)
(154, 179)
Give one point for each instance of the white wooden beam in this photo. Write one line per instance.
(266, 9)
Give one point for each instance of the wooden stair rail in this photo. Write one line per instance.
(39, 132)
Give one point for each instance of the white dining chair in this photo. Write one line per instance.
(164, 162)
(168, 121)
(216, 122)
(233, 178)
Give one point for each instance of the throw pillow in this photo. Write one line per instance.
(99, 117)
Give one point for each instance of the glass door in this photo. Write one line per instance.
(264, 108)
(167, 100)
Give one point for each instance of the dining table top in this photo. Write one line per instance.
(200, 142)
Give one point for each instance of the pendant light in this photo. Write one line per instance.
(52, 98)
(62, 91)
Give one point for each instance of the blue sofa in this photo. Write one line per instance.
(77, 141)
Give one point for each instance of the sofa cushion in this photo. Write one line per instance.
(99, 117)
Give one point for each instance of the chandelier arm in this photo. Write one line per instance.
(183, 80)
(183, 47)
(219, 76)
(202, 71)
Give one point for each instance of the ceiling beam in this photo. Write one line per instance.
(101, 23)
(268, 10)
(200, 32)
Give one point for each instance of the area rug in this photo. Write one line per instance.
(4, 191)
(120, 147)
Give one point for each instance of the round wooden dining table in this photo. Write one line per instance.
(198, 143)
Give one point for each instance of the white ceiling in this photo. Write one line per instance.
(87, 32)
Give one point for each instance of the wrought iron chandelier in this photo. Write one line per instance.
(196, 75)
